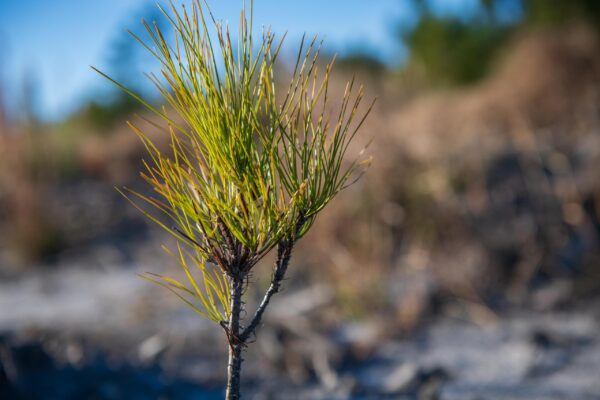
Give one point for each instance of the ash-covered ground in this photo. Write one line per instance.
(122, 338)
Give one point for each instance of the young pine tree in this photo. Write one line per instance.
(248, 168)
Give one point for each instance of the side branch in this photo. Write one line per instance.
(284, 252)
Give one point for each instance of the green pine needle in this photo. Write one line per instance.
(245, 162)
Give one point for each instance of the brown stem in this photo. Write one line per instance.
(236, 335)
(284, 253)
(236, 345)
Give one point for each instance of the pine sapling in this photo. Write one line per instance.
(248, 168)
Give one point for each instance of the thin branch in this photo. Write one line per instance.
(284, 252)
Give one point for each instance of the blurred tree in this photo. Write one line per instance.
(28, 114)
(3, 112)
(459, 48)
(558, 12)
(361, 60)
(126, 62)
(453, 51)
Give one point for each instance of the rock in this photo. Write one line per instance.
(150, 348)
(400, 378)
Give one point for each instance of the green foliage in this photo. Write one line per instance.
(248, 167)
(551, 13)
(361, 61)
(457, 50)
(454, 51)
(104, 116)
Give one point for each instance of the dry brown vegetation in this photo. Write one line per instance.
(481, 196)
(476, 198)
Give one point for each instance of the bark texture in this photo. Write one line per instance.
(284, 253)
(236, 334)
(236, 345)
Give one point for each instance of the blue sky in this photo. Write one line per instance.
(56, 41)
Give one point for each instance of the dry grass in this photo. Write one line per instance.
(477, 197)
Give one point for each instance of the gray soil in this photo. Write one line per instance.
(120, 337)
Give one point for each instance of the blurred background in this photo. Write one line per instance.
(464, 265)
